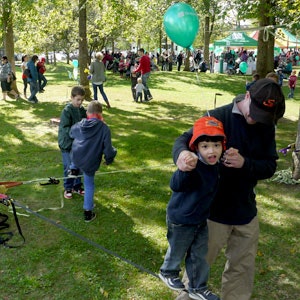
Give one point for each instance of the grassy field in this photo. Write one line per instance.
(117, 255)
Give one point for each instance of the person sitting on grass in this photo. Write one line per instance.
(188, 210)
(92, 139)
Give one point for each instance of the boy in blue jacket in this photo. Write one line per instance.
(92, 139)
(188, 210)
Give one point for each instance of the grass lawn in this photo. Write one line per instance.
(117, 255)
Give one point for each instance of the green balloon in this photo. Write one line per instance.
(297, 57)
(243, 67)
(181, 23)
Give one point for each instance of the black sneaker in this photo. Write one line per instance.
(89, 216)
(203, 295)
(173, 282)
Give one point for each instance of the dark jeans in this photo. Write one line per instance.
(69, 183)
(189, 242)
(100, 87)
(145, 78)
(42, 81)
(34, 89)
(25, 85)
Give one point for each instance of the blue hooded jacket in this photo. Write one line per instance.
(92, 139)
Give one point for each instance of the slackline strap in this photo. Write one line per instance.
(3, 224)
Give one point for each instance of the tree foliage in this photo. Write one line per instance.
(42, 26)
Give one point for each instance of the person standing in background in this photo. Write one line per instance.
(179, 60)
(24, 76)
(6, 77)
(292, 84)
(33, 79)
(41, 77)
(97, 69)
(144, 67)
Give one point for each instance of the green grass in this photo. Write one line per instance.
(131, 195)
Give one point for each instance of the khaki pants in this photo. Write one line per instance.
(241, 248)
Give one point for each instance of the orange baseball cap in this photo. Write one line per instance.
(207, 126)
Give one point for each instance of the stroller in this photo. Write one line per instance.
(232, 67)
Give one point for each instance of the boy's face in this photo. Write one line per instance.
(77, 100)
(210, 151)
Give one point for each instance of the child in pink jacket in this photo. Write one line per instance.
(292, 84)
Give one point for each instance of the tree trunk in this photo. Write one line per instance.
(265, 53)
(83, 50)
(8, 38)
(206, 39)
(160, 43)
(187, 60)
(296, 155)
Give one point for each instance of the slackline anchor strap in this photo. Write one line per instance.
(3, 224)
(51, 180)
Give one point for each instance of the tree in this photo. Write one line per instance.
(8, 36)
(83, 48)
(265, 46)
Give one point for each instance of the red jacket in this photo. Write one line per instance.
(41, 67)
(144, 65)
(292, 81)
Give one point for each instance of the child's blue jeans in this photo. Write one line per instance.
(69, 183)
(189, 242)
(89, 187)
(291, 94)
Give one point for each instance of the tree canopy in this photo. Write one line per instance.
(42, 26)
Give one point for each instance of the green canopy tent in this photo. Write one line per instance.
(283, 38)
(237, 39)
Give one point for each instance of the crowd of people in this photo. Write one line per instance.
(133, 66)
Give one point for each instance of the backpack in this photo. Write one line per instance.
(27, 73)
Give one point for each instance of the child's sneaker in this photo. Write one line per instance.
(173, 282)
(79, 191)
(89, 216)
(68, 194)
(203, 295)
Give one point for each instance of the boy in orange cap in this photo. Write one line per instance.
(188, 210)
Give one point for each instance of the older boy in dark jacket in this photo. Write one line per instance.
(71, 114)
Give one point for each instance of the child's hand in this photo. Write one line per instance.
(187, 161)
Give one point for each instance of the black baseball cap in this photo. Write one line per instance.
(266, 99)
